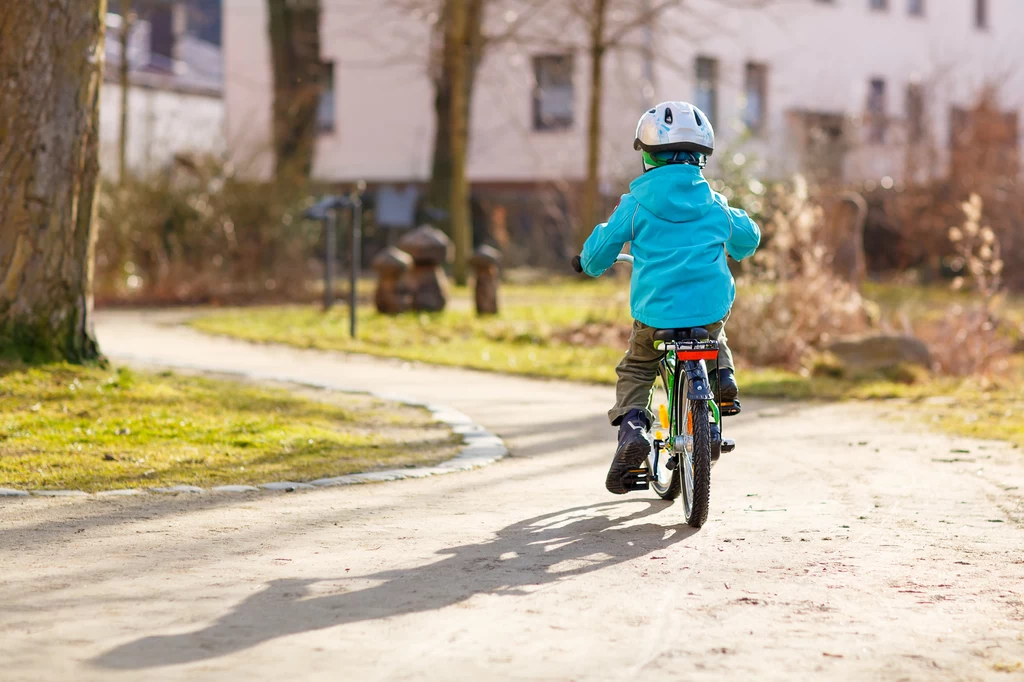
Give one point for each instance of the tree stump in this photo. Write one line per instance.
(393, 295)
(485, 267)
(430, 250)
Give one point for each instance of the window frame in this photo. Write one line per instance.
(328, 92)
(760, 71)
(539, 122)
(916, 116)
(982, 15)
(715, 68)
(877, 120)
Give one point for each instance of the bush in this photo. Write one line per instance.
(794, 302)
(972, 339)
(199, 234)
(908, 225)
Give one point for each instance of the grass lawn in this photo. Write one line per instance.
(88, 428)
(575, 329)
(523, 339)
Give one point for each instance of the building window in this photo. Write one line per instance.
(876, 111)
(981, 13)
(881, 5)
(706, 96)
(821, 139)
(915, 113)
(915, 8)
(325, 107)
(161, 36)
(755, 93)
(553, 97)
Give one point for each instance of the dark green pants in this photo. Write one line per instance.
(639, 368)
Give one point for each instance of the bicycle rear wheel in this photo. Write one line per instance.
(664, 481)
(695, 462)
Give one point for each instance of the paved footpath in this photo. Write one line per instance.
(841, 545)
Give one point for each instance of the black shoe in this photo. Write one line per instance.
(634, 446)
(729, 403)
(730, 391)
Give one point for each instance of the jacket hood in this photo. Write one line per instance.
(676, 193)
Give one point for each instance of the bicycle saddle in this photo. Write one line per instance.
(688, 334)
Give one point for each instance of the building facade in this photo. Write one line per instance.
(838, 83)
(176, 88)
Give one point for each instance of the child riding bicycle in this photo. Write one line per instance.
(679, 232)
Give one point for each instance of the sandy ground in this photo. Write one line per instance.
(842, 544)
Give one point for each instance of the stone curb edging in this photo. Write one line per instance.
(480, 447)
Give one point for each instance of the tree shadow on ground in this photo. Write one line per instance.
(540, 550)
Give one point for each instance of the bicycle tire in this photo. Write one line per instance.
(665, 489)
(697, 509)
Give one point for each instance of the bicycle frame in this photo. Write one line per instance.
(685, 367)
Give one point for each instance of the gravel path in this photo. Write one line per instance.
(841, 545)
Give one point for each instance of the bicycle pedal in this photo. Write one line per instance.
(728, 445)
(636, 479)
(730, 409)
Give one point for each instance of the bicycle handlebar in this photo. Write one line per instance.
(621, 258)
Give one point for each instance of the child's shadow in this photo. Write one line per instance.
(536, 551)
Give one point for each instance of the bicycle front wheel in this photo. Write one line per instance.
(695, 462)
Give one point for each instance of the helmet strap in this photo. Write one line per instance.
(679, 158)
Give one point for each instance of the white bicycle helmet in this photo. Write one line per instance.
(673, 127)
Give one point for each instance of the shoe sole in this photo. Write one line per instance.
(630, 457)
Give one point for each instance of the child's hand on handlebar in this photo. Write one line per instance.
(577, 265)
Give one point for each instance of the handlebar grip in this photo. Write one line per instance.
(577, 265)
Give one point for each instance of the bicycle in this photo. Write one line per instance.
(689, 430)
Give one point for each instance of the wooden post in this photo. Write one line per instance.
(485, 266)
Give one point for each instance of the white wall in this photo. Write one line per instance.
(821, 57)
(161, 124)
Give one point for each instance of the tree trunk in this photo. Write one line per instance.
(298, 81)
(439, 189)
(458, 56)
(590, 203)
(51, 62)
(127, 20)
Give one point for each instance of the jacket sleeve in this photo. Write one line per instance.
(744, 234)
(607, 239)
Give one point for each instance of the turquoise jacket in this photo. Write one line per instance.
(679, 231)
